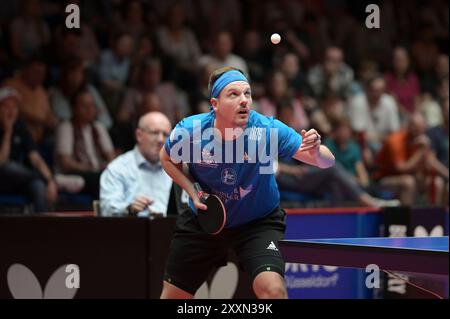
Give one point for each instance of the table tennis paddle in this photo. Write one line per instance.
(213, 219)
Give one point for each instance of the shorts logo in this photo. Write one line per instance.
(229, 176)
(272, 246)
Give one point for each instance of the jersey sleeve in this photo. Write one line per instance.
(178, 144)
(289, 140)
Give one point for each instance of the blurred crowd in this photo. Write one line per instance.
(379, 97)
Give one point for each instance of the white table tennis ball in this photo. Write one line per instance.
(275, 38)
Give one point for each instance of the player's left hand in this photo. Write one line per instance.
(311, 140)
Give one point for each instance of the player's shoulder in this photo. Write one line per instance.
(260, 120)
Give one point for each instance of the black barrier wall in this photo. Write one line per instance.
(116, 258)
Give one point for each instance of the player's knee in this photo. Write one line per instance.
(272, 291)
(269, 288)
(409, 183)
(172, 292)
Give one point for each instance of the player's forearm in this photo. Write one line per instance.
(38, 163)
(324, 157)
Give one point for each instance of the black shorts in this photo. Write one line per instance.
(194, 254)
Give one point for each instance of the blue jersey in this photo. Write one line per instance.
(239, 171)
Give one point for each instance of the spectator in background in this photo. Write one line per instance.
(150, 103)
(407, 166)
(207, 15)
(439, 135)
(222, 55)
(366, 70)
(22, 169)
(439, 142)
(440, 72)
(278, 94)
(291, 40)
(373, 116)
(443, 88)
(179, 43)
(430, 108)
(402, 82)
(73, 78)
(202, 95)
(298, 83)
(441, 69)
(315, 34)
(78, 43)
(333, 107)
(114, 70)
(83, 146)
(35, 108)
(335, 182)
(297, 80)
(159, 9)
(5, 61)
(132, 20)
(424, 50)
(29, 32)
(145, 50)
(333, 75)
(347, 151)
(67, 42)
(135, 183)
(173, 103)
(123, 133)
(258, 60)
(435, 88)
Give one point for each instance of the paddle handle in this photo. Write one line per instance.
(197, 187)
(200, 193)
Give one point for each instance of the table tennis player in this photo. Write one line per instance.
(232, 152)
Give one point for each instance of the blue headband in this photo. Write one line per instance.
(224, 80)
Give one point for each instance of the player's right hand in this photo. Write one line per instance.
(198, 204)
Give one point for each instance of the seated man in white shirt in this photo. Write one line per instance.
(374, 114)
(135, 183)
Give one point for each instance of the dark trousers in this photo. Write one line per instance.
(335, 181)
(16, 178)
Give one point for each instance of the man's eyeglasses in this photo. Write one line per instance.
(155, 133)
